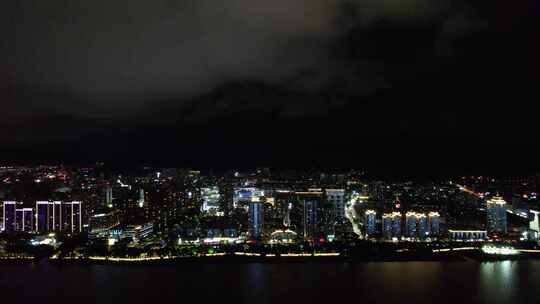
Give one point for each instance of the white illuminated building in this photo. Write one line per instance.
(285, 236)
(256, 219)
(496, 215)
(468, 235)
(58, 216)
(499, 250)
(351, 213)
(142, 199)
(336, 198)
(210, 197)
(243, 196)
(534, 225)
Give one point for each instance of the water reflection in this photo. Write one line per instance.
(328, 283)
(254, 283)
(498, 281)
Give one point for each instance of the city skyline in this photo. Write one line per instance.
(61, 217)
(269, 151)
(262, 201)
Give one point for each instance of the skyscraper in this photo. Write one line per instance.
(311, 203)
(17, 219)
(416, 225)
(410, 225)
(391, 225)
(370, 222)
(534, 225)
(24, 219)
(422, 228)
(109, 196)
(210, 200)
(496, 215)
(535, 222)
(58, 216)
(387, 225)
(142, 200)
(28, 219)
(434, 222)
(310, 222)
(243, 196)
(256, 219)
(42, 216)
(55, 216)
(336, 198)
(72, 217)
(10, 216)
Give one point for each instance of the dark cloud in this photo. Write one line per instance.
(122, 52)
(192, 73)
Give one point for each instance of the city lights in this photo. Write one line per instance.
(189, 214)
(499, 250)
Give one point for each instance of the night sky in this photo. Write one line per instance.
(409, 87)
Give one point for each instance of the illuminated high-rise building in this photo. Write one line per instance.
(434, 222)
(311, 202)
(210, 201)
(370, 222)
(28, 219)
(17, 219)
(101, 224)
(387, 225)
(58, 216)
(109, 196)
(9, 218)
(137, 233)
(256, 219)
(310, 218)
(55, 216)
(396, 224)
(391, 225)
(42, 216)
(24, 219)
(422, 228)
(534, 225)
(71, 217)
(496, 215)
(243, 196)
(142, 198)
(336, 198)
(416, 225)
(410, 225)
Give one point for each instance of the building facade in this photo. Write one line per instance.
(496, 215)
(468, 235)
(24, 219)
(410, 225)
(391, 225)
(256, 219)
(434, 222)
(336, 198)
(58, 216)
(9, 218)
(370, 222)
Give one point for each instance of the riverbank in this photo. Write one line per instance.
(255, 258)
(471, 254)
(16, 260)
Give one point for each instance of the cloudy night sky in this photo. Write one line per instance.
(405, 85)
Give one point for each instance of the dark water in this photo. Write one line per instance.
(393, 282)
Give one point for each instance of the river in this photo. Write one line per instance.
(310, 282)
